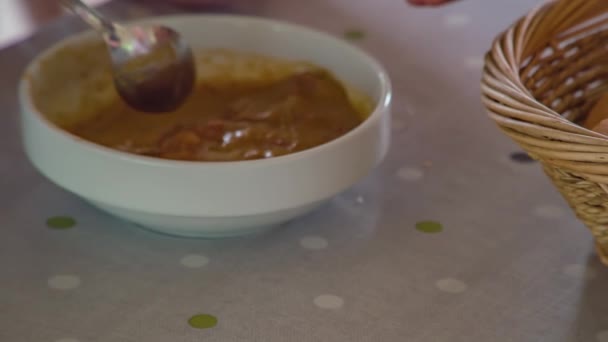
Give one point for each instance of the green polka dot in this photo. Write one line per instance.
(429, 227)
(354, 35)
(202, 321)
(60, 222)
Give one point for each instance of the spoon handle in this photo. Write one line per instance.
(90, 16)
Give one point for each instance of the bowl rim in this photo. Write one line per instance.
(381, 107)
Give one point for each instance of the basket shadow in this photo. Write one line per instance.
(592, 317)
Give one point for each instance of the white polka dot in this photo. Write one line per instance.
(456, 20)
(328, 301)
(410, 174)
(194, 261)
(313, 242)
(64, 282)
(397, 125)
(451, 285)
(549, 211)
(579, 271)
(360, 200)
(602, 336)
(67, 340)
(475, 63)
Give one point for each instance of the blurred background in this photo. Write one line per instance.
(20, 18)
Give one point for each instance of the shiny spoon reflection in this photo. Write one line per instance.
(153, 68)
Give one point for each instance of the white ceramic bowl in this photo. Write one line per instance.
(209, 199)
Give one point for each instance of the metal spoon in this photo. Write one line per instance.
(153, 67)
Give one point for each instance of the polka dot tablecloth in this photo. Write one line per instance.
(457, 236)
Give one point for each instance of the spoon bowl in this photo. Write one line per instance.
(153, 67)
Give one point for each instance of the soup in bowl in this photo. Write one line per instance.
(282, 119)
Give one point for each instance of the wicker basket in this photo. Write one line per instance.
(543, 75)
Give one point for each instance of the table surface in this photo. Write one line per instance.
(453, 238)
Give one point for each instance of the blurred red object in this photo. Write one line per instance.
(429, 2)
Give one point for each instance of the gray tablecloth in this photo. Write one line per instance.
(452, 239)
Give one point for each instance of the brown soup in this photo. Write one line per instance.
(244, 107)
(233, 121)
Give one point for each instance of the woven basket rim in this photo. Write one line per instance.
(501, 80)
(554, 49)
